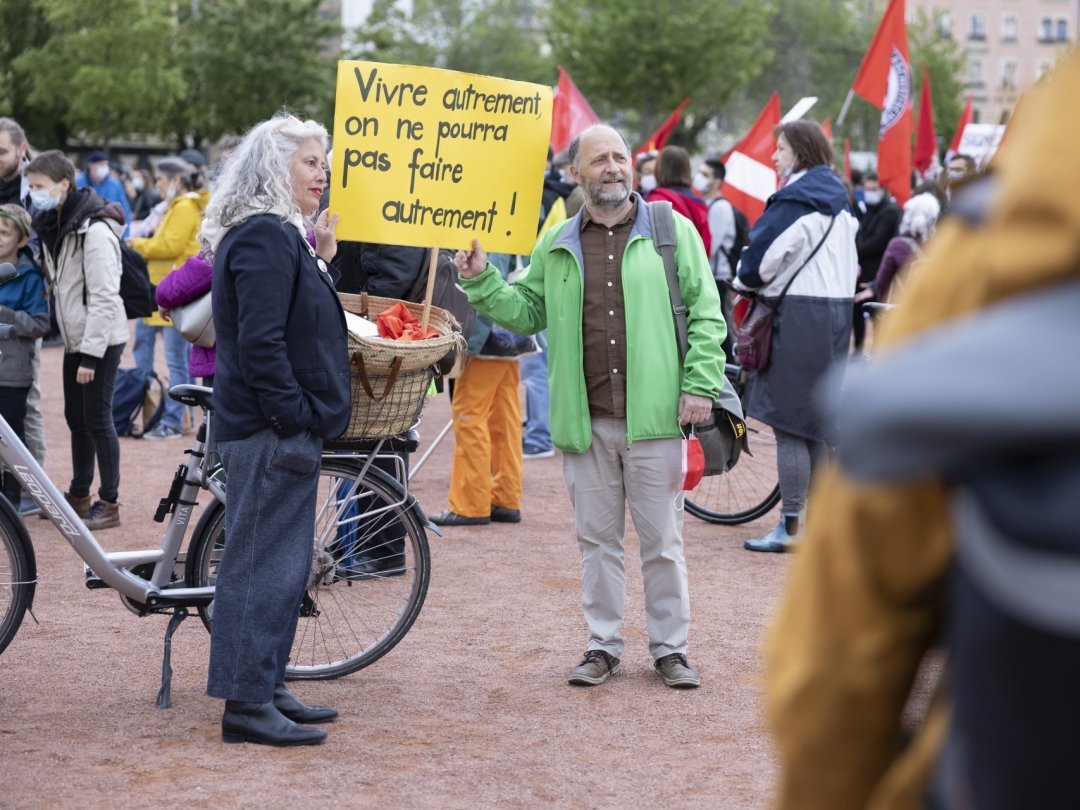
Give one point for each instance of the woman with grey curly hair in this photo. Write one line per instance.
(916, 226)
(281, 388)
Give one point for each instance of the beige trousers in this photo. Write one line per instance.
(602, 480)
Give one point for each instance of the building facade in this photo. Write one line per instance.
(1008, 45)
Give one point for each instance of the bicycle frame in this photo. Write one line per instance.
(113, 567)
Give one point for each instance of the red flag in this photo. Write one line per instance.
(966, 118)
(659, 138)
(750, 175)
(884, 79)
(926, 137)
(826, 126)
(570, 113)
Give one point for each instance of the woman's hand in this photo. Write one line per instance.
(326, 235)
(84, 375)
(864, 293)
(164, 313)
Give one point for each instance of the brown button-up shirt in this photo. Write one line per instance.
(603, 322)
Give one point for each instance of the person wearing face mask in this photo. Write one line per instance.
(644, 172)
(804, 242)
(878, 225)
(958, 169)
(142, 195)
(98, 176)
(80, 249)
(176, 240)
(673, 184)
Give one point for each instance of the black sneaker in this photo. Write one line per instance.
(596, 668)
(500, 514)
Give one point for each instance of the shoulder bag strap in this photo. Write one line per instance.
(809, 258)
(663, 228)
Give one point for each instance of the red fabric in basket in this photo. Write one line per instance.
(398, 323)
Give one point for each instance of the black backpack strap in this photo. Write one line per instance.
(663, 229)
(813, 253)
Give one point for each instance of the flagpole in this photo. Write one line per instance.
(844, 109)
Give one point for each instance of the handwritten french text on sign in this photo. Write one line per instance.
(429, 157)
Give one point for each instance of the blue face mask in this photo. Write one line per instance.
(43, 200)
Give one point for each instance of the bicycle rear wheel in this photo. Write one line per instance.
(16, 580)
(748, 492)
(369, 576)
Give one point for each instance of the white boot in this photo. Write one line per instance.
(778, 540)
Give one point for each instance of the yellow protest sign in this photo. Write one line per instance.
(435, 158)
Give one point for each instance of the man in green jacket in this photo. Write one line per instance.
(618, 391)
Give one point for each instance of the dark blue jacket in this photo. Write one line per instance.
(22, 303)
(282, 352)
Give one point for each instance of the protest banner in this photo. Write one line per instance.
(981, 141)
(435, 158)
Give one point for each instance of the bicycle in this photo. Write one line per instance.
(750, 490)
(350, 616)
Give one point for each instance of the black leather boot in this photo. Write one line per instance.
(289, 705)
(262, 723)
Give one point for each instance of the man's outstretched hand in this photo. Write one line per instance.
(471, 263)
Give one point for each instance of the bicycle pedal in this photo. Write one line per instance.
(93, 581)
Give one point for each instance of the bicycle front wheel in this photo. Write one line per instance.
(369, 575)
(16, 580)
(751, 490)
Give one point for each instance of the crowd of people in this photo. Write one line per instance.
(607, 387)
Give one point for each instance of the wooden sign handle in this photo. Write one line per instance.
(433, 265)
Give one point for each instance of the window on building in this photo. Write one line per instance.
(978, 26)
(1045, 29)
(1042, 67)
(1062, 31)
(1009, 28)
(975, 72)
(944, 25)
(1008, 74)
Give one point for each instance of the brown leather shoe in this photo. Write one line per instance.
(595, 668)
(677, 672)
(81, 505)
(102, 515)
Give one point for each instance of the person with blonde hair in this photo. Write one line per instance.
(281, 388)
(181, 186)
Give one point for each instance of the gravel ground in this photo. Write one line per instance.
(471, 709)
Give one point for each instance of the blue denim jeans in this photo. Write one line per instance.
(269, 531)
(177, 351)
(534, 373)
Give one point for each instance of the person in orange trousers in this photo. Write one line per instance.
(485, 481)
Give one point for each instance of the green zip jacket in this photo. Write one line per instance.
(549, 295)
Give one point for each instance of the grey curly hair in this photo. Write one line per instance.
(255, 178)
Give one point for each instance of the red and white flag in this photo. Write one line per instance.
(659, 138)
(750, 177)
(570, 113)
(966, 117)
(925, 154)
(884, 79)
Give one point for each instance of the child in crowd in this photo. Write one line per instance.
(24, 306)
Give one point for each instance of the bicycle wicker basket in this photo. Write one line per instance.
(390, 378)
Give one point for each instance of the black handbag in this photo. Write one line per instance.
(722, 436)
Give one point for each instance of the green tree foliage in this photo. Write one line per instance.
(23, 27)
(944, 62)
(490, 37)
(108, 64)
(636, 61)
(244, 60)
